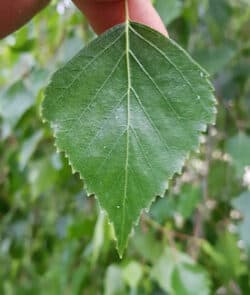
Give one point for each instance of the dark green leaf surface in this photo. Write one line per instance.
(127, 110)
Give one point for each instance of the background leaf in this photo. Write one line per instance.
(242, 203)
(14, 102)
(237, 147)
(178, 274)
(169, 10)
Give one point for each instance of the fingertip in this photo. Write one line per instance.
(104, 14)
(142, 11)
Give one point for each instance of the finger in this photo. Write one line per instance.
(104, 14)
(14, 14)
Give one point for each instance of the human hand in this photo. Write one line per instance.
(15, 13)
(102, 14)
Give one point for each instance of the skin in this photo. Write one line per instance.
(15, 13)
(102, 14)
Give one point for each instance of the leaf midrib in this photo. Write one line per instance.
(128, 121)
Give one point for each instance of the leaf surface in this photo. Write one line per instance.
(238, 148)
(242, 203)
(177, 273)
(169, 10)
(14, 102)
(127, 110)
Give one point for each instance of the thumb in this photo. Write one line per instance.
(104, 14)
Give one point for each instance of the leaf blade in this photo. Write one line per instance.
(121, 128)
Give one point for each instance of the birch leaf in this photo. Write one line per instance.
(127, 110)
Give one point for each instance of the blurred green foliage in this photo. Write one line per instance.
(55, 240)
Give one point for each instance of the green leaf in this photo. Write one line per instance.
(214, 59)
(147, 245)
(232, 266)
(238, 148)
(169, 10)
(98, 237)
(190, 279)
(242, 203)
(28, 147)
(102, 236)
(42, 176)
(188, 200)
(114, 281)
(132, 274)
(225, 257)
(127, 110)
(183, 204)
(14, 102)
(223, 183)
(177, 274)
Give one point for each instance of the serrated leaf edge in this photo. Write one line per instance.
(196, 145)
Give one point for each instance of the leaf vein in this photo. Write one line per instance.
(151, 122)
(141, 148)
(85, 67)
(143, 69)
(173, 64)
(101, 88)
(105, 120)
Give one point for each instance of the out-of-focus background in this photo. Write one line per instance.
(195, 241)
